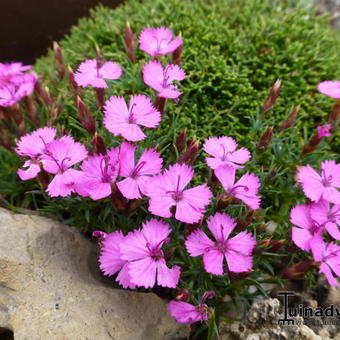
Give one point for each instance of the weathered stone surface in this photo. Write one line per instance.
(48, 291)
(262, 324)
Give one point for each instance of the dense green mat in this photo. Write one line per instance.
(234, 50)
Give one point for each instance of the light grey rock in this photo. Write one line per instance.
(261, 323)
(49, 291)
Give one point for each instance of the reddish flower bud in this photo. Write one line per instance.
(244, 221)
(98, 144)
(265, 139)
(181, 141)
(100, 98)
(312, 145)
(75, 89)
(334, 116)
(290, 120)
(43, 178)
(183, 294)
(237, 276)
(85, 117)
(44, 94)
(5, 140)
(160, 104)
(299, 269)
(272, 96)
(18, 117)
(32, 110)
(268, 245)
(177, 55)
(59, 60)
(129, 39)
(223, 203)
(191, 154)
(119, 202)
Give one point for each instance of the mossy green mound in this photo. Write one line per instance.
(234, 50)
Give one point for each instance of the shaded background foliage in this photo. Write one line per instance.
(233, 52)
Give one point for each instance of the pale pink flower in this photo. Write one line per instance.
(127, 122)
(223, 150)
(33, 145)
(245, 189)
(158, 41)
(324, 131)
(93, 73)
(325, 186)
(161, 79)
(166, 190)
(328, 254)
(143, 249)
(305, 226)
(60, 155)
(98, 174)
(327, 215)
(330, 88)
(236, 250)
(136, 175)
(186, 313)
(110, 258)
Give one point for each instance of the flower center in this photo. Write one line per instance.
(131, 118)
(177, 195)
(137, 169)
(326, 180)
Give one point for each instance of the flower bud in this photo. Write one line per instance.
(272, 96)
(312, 145)
(59, 60)
(181, 140)
(129, 39)
(265, 139)
(5, 140)
(177, 55)
(19, 119)
(191, 154)
(98, 144)
(223, 203)
(298, 269)
(100, 97)
(160, 104)
(290, 120)
(75, 89)
(268, 245)
(245, 220)
(334, 116)
(183, 294)
(32, 110)
(44, 94)
(85, 117)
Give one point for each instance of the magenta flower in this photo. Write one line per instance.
(186, 313)
(330, 88)
(324, 131)
(60, 155)
(305, 227)
(98, 174)
(110, 258)
(92, 73)
(33, 145)
(223, 150)
(316, 186)
(136, 175)
(8, 70)
(142, 248)
(161, 79)
(236, 250)
(16, 88)
(126, 122)
(328, 254)
(328, 216)
(166, 190)
(245, 189)
(158, 41)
